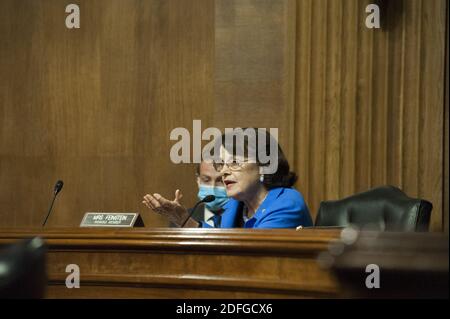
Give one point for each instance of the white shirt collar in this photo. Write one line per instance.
(208, 217)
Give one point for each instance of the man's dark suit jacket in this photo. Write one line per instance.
(199, 214)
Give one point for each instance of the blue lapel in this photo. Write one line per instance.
(231, 209)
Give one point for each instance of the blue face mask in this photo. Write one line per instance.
(219, 192)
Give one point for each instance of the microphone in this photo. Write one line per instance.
(207, 199)
(58, 187)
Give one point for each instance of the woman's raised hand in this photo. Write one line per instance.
(172, 209)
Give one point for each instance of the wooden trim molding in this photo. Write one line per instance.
(216, 240)
(194, 263)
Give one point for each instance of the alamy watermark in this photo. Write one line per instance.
(249, 145)
(373, 279)
(73, 279)
(73, 17)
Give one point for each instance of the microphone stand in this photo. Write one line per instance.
(207, 199)
(50, 210)
(191, 213)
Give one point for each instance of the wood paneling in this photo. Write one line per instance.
(446, 137)
(95, 106)
(364, 107)
(254, 41)
(369, 103)
(355, 107)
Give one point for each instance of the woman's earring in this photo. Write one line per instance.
(261, 178)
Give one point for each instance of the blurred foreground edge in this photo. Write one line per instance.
(390, 264)
(23, 270)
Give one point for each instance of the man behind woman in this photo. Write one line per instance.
(257, 199)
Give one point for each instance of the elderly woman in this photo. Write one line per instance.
(258, 200)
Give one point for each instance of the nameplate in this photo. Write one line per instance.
(94, 219)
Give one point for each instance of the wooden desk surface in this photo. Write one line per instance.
(186, 263)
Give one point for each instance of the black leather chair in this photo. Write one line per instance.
(384, 208)
(22, 270)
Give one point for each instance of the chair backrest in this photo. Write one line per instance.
(384, 208)
(23, 270)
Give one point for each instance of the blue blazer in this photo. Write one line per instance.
(282, 208)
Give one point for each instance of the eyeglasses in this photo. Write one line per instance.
(233, 166)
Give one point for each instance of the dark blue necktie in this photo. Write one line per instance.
(216, 219)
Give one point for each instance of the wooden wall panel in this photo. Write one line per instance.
(431, 112)
(369, 103)
(254, 53)
(355, 107)
(95, 106)
(446, 138)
